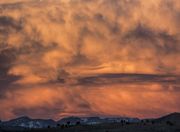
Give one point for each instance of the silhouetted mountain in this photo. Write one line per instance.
(173, 117)
(27, 122)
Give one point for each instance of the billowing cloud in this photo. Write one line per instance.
(89, 57)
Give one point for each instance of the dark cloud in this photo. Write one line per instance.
(62, 76)
(6, 21)
(162, 40)
(7, 54)
(128, 79)
(81, 59)
(141, 32)
(8, 25)
(7, 58)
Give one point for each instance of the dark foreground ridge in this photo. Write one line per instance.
(168, 123)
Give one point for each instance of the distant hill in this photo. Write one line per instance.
(168, 123)
(27, 122)
(173, 117)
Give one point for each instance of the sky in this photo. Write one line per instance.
(62, 58)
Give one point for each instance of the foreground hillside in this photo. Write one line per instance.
(114, 127)
(169, 123)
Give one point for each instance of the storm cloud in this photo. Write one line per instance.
(69, 55)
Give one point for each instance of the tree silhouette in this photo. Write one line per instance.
(127, 123)
(68, 123)
(169, 123)
(78, 123)
(152, 122)
(147, 121)
(62, 126)
(123, 122)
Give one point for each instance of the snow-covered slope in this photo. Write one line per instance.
(27, 122)
(95, 120)
(30, 123)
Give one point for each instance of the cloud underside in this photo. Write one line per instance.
(88, 57)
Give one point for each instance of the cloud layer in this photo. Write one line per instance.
(89, 57)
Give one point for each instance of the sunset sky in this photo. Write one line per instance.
(63, 58)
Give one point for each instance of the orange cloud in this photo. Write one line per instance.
(64, 55)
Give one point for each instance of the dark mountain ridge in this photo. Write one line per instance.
(173, 117)
(26, 122)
